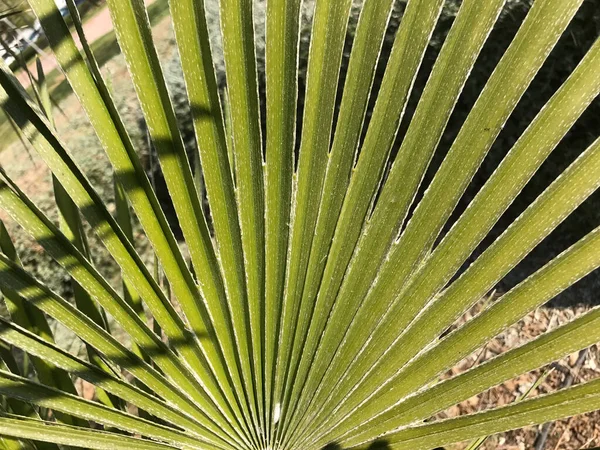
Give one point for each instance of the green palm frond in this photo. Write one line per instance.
(324, 254)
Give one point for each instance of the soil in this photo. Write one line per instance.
(579, 432)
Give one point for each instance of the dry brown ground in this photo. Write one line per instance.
(576, 433)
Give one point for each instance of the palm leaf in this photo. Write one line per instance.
(327, 263)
